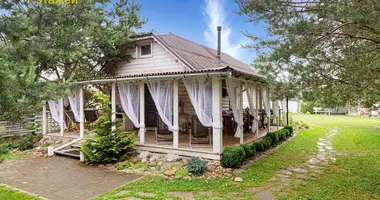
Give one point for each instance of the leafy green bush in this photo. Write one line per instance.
(233, 156)
(27, 141)
(196, 166)
(268, 142)
(253, 149)
(107, 145)
(259, 146)
(274, 137)
(290, 128)
(287, 132)
(248, 150)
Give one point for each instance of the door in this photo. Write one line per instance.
(150, 110)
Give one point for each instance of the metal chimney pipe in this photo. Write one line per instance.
(219, 29)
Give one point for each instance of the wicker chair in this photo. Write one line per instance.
(199, 134)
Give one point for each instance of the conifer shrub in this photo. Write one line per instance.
(107, 145)
(196, 166)
(290, 128)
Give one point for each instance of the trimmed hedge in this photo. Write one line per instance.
(248, 150)
(233, 156)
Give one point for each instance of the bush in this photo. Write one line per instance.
(248, 150)
(287, 132)
(196, 166)
(107, 145)
(274, 137)
(27, 141)
(259, 146)
(268, 142)
(253, 149)
(290, 128)
(233, 156)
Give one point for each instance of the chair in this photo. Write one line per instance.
(162, 131)
(70, 119)
(90, 117)
(199, 134)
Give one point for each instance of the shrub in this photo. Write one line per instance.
(274, 137)
(287, 132)
(27, 141)
(290, 128)
(267, 141)
(259, 146)
(233, 156)
(253, 148)
(196, 166)
(248, 150)
(107, 145)
(281, 134)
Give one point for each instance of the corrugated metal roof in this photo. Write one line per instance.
(222, 69)
(201, 57)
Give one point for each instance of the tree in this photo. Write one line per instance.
(44, 47)
(328, 50)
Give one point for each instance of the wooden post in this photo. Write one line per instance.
(113, 104)
(257, 110)
(175, 115)
(142, 112)
(279, 115)
(268, 99)
(62, 116)
(81, 112)
(287, 111)
(217, 136)
(241, 110)
(44, 119)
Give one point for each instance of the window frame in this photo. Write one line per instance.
(139, 55)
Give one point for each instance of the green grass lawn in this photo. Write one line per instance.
(14, 155)
(10, 194)
(355, 174)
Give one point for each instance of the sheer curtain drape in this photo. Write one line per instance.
(162, 95)
(251, 95)
(200, 93)
(55, 111)
(129, 99)
(276, 113)
(266, 101)
(75, 105)
(234, 95)
(284, 111)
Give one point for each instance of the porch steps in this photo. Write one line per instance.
(70, 151)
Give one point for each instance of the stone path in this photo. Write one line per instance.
(61, 178)
(283, 181)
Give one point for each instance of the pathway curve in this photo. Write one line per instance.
(283, 181)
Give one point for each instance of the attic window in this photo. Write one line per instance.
(145, 50)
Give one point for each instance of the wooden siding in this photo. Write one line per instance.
(160, 61)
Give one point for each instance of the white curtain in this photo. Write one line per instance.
(234, 94)
(129, 99)
(284, 111)
(75, 105)
(251, 94)
(276, 113)
(55, 110)
(200, 93)
(266, 101)
(162, 95)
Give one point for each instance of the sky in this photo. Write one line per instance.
(196, 20)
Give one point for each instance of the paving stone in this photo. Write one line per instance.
(278, 188)
(321, 157)
(314, 167)
(285, 180)
(299, 181)
(318, 171)
(282, 175)
(266, 195)
(321, 144)
(273, 179)
(183, 195)
(255, 189)
(206, 193)
(301, 176)
(286, 172)
(298, 170)
(122, 192)
(149, 194)
(313, 161)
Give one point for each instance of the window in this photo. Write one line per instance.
(145, 50)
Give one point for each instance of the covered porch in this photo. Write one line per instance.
(239, 117)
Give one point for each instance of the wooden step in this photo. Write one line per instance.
(69, 152)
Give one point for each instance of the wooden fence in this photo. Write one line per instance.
(31, 124)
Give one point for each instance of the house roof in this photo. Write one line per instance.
(198, 57)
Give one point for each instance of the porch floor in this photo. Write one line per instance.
(184, 143)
